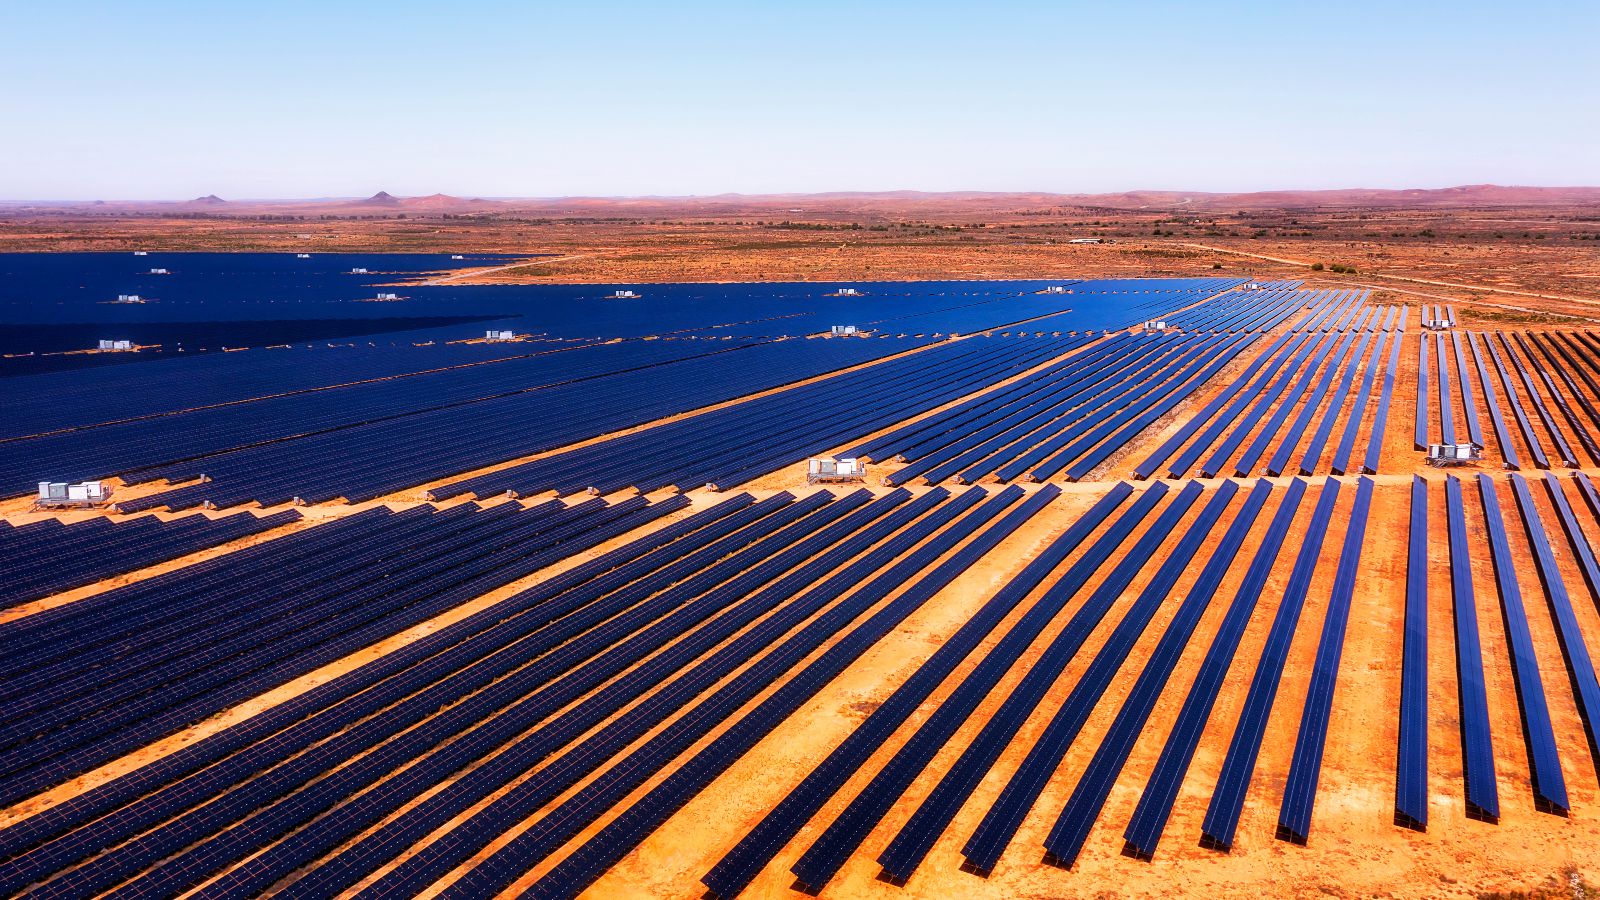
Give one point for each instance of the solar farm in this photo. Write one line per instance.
(344, 579)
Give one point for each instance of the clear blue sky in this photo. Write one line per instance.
(169, 100)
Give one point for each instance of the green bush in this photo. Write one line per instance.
(1316, 267)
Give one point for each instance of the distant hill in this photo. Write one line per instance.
(882, 204)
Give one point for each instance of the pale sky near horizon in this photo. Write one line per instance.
(171, 100)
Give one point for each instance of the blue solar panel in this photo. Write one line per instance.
(1411, 764)
(1477, 741)
(1072, 827)
(1340, 464)
(1549, 787)
(1574, 651)
(986, 845)
(1563, 398)
(1568, 458)
(1380, 421)
(757, 848)
(1491, 397)
(823, 859)
(1305, 767)
(687, 779)
(1155, 804)
(1341, 395)
(1421, 438)
(1227, 801)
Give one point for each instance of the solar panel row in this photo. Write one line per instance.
(1153, 462)
(48, 557)
(1260, 310)
(1491, 399)
(1149, 819)
(1477, 740)
(1300, 791)
(1294, 377)
(756, 849)
(688, 778)
(112, 709)
(181, 444)
(1563, 449)
(95, 397)
(1380, 420)
(828, 853)
(177, 690)
(1146, 409)
(986, 845)
(1561, 398)
(789, 537)
(425, 866)
(1293, 439)
(1066, 838)
(1549, 787)
(376, 457)
(502, 650)
(1059, 383)
(728, 446)
(1468, 401)
(1574, 652)
(1524, 426)
(1420, 439)
(1411, 762)
(1227, 800)
(538, 618)
(1340, 464)
(1312, 456)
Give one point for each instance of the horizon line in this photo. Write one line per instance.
(213, 197)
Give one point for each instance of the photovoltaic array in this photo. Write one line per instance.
(1131, 559)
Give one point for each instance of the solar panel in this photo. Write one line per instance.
(1358, 410)
(1411, 763)
(1549, 787)
(1501, 435)
(1300, 791)
(1072, 827)
(763, 841)
(1222, 815)
(1477, 750)
(1380, 421)
(1560, 397)
(1573, 649)
(1568, 458)
(633, 824)
(823, 859)
(1421, 439)
(1149, 819)
(1263, 399)
(1341, 395)
(986, 845)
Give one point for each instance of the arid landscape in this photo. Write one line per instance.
(602, 688)
(729, 451)
(1519, 255)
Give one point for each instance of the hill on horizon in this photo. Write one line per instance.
(889, 203)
